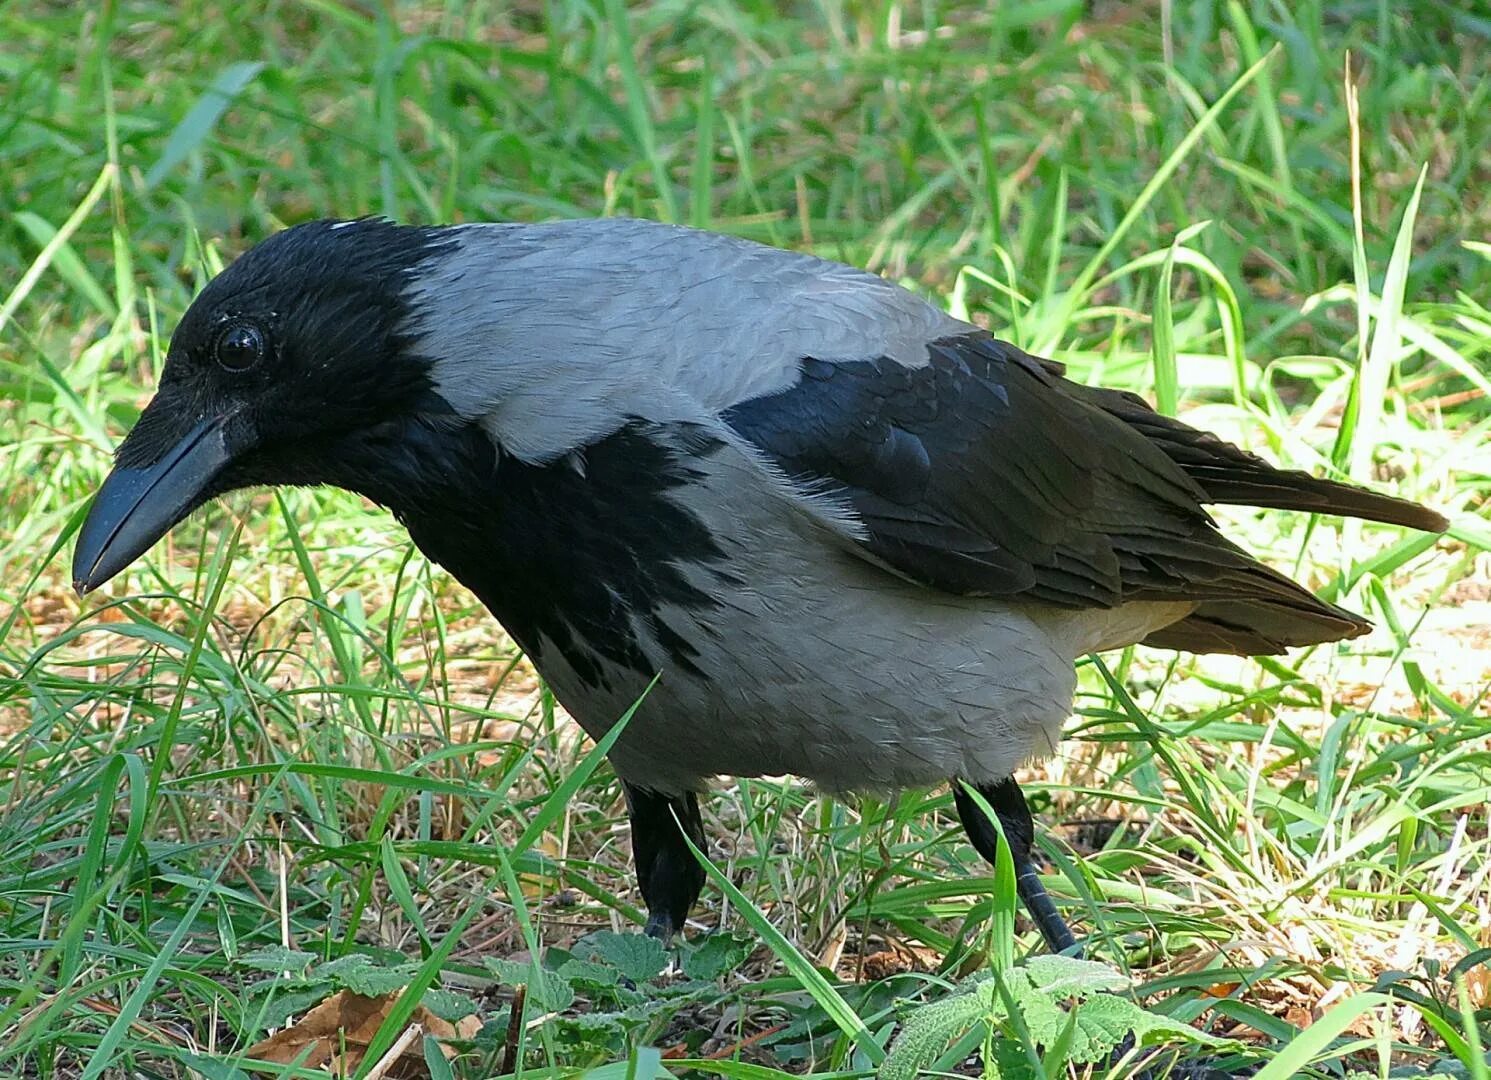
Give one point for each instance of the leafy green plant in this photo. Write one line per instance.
(1066, 1007)
(296, 981)
(605, 993)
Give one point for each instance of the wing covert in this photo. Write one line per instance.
(982, 473)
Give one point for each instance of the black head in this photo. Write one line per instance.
(301, 343)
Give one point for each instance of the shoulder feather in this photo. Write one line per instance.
(554, 335)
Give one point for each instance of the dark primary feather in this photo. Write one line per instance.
(1230, 474)
(987, 473)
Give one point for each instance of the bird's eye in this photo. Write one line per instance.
(239, 347)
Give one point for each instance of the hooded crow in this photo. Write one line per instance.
(854, 538)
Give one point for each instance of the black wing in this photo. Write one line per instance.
(987, 473)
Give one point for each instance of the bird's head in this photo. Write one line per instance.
(297, 347)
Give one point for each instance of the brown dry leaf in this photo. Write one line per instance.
(1221, 989)
(336, 1033)
(1300, 1016)
(888, 962)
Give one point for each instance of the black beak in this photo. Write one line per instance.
(137, 506)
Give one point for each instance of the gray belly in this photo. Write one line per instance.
(812, 662)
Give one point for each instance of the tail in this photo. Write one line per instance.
(1284, 616)
(1228, 474)
(1258, 627)
(1250, 609)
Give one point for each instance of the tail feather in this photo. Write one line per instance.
(1241, 605)
(1229, 474)
(1257, 627)
(1251, 609)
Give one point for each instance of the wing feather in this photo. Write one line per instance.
(985, 472)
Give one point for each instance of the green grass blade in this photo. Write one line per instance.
(197, 125)
(92, 873)
(70, 268)
(1166, 375)
(28, 280)
(807, 976)
(1076, 293)
(1370, 388)
(399, 1014)
(1295, 1058)
(217, 576)
(701, 198)
(102, 1056)
(555, 804)
(639, 108)
(1004, 896)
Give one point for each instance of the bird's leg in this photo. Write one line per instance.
(1009, 805)
(667, 871)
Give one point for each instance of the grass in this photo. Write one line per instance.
(284, 742)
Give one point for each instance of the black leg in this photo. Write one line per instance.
(1008, 804)
(667, 871)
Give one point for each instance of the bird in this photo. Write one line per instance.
(805, 520)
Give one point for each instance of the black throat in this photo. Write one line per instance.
(580, 556)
